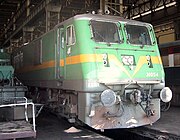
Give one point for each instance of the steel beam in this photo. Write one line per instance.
(140, 8)
(27, 34)
(14, 18)
(114, 7)
(38, 9)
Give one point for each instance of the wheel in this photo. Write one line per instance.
(165, 106)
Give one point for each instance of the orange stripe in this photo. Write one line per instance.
(61, 63)
(44, 65)
(83, 58)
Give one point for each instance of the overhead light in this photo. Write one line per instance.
(157, 9)
(26, 43)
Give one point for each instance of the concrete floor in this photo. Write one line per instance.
(169, 122)
(49, 127)
(167, 127)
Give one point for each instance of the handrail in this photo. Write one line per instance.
(24, 104)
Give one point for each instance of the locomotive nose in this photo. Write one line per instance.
(166, 94)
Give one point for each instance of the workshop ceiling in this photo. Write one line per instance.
(8, 10)
(14, 14)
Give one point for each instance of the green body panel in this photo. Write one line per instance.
(48, 45)
(85, 45)
(44, 74)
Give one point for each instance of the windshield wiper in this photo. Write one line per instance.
(103, 39)
(97, 33)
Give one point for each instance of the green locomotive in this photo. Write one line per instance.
(103, 70)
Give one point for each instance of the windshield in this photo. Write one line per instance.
(138, 35)
(105, 32)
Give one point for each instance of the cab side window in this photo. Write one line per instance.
(70, 35)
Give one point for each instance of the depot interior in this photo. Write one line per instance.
(22, 21)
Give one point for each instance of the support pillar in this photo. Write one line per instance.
(177, 29)
(28, 34)
(52, 16)
(27, 7)
(121, 7)
(113, 7)
(102, 6)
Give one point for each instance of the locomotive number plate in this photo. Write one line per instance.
(152, 74)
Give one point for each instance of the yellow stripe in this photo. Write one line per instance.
(119, 64)
(156, 59)
(69, 61)
(44, 65)
(143, 60)
(84, 58)
(61, 63)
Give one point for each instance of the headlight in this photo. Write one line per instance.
(108, 97)
(166, 94)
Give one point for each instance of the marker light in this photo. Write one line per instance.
(166, 94)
